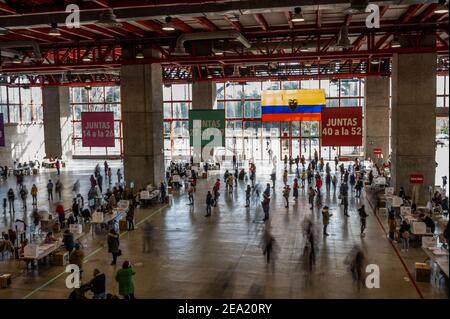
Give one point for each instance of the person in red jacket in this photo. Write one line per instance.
(319, 184)
(216, 191)
(61, 214)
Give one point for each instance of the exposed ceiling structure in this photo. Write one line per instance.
(228, 40)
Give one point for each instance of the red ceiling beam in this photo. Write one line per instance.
(288, 15)
(427, 13)
(133, 29)
(358, 42)
(6, 8)
(43, 32)
(409, 13)
(235, 24)
(152, 26)
(181, 25)
(442, 41)
(382, 40)
(99, 30)
(204, 21)
(261, 21)
(79, 33)
(101, 3)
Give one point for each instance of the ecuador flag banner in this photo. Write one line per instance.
(292, 105)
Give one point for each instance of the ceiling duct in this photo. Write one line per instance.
(23, 44)
(357, 6)
(343, 40)
(180, 50)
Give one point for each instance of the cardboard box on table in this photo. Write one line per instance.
(61, 258)
(423, 272)
(76, 228)
(123, 225)
(97, 217)
(5, 280)
(31, 251)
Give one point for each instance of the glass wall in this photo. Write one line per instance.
(442, 91)
(96, 99)
(177, 103)
(21, 105)
(251, 138)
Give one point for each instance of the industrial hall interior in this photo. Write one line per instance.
(253, 149)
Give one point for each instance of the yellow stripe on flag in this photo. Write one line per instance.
(303, 97)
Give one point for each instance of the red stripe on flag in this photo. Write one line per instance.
(290, 117)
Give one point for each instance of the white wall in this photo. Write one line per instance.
(24, 142)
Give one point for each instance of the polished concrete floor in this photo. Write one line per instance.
(221, 256)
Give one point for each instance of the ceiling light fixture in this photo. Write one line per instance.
(375, 61)
(167, 26)
(304, 47)
(54, 30)
(298, 15)
(140, 55)
(441, 8)
(395, 43)
(86, 58)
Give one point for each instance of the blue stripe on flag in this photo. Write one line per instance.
(269, 109)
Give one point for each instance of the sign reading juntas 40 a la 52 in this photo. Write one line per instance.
(207, 127)
(97, 129)
(341, 126)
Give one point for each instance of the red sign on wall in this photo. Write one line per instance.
(97, 129)
(341, 126)
(377, 151)
(416, 179)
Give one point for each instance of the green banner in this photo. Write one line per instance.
(207, 127)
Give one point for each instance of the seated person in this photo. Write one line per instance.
(86, 214)
(49, 239)
(70, 220)
(445, 234)
(428, 222)
(23, 244)
(437, 199)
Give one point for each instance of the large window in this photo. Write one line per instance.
(21, 104)
(442, 91)
(96, 99)
(251, 138)
(177, 103)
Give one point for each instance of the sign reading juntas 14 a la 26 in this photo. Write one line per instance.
(207, 127)
(97, 129)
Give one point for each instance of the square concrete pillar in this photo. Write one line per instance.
(57, 122)
(142, 122)
(376, 116)
(203, 95)
(414, 122)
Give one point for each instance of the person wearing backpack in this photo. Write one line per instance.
(404, 235)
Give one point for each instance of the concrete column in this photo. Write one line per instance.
(414, 122)
(57, 123)
(376, 118)
(142, 122)
(203, 95)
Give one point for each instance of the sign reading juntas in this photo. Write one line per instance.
(416, 179)
(97, 129)
(207, 127)
(2, 131)
(341, 126)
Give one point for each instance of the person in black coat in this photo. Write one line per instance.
(209, 202)
(68, 240)
(98, 285)
(428, 222)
